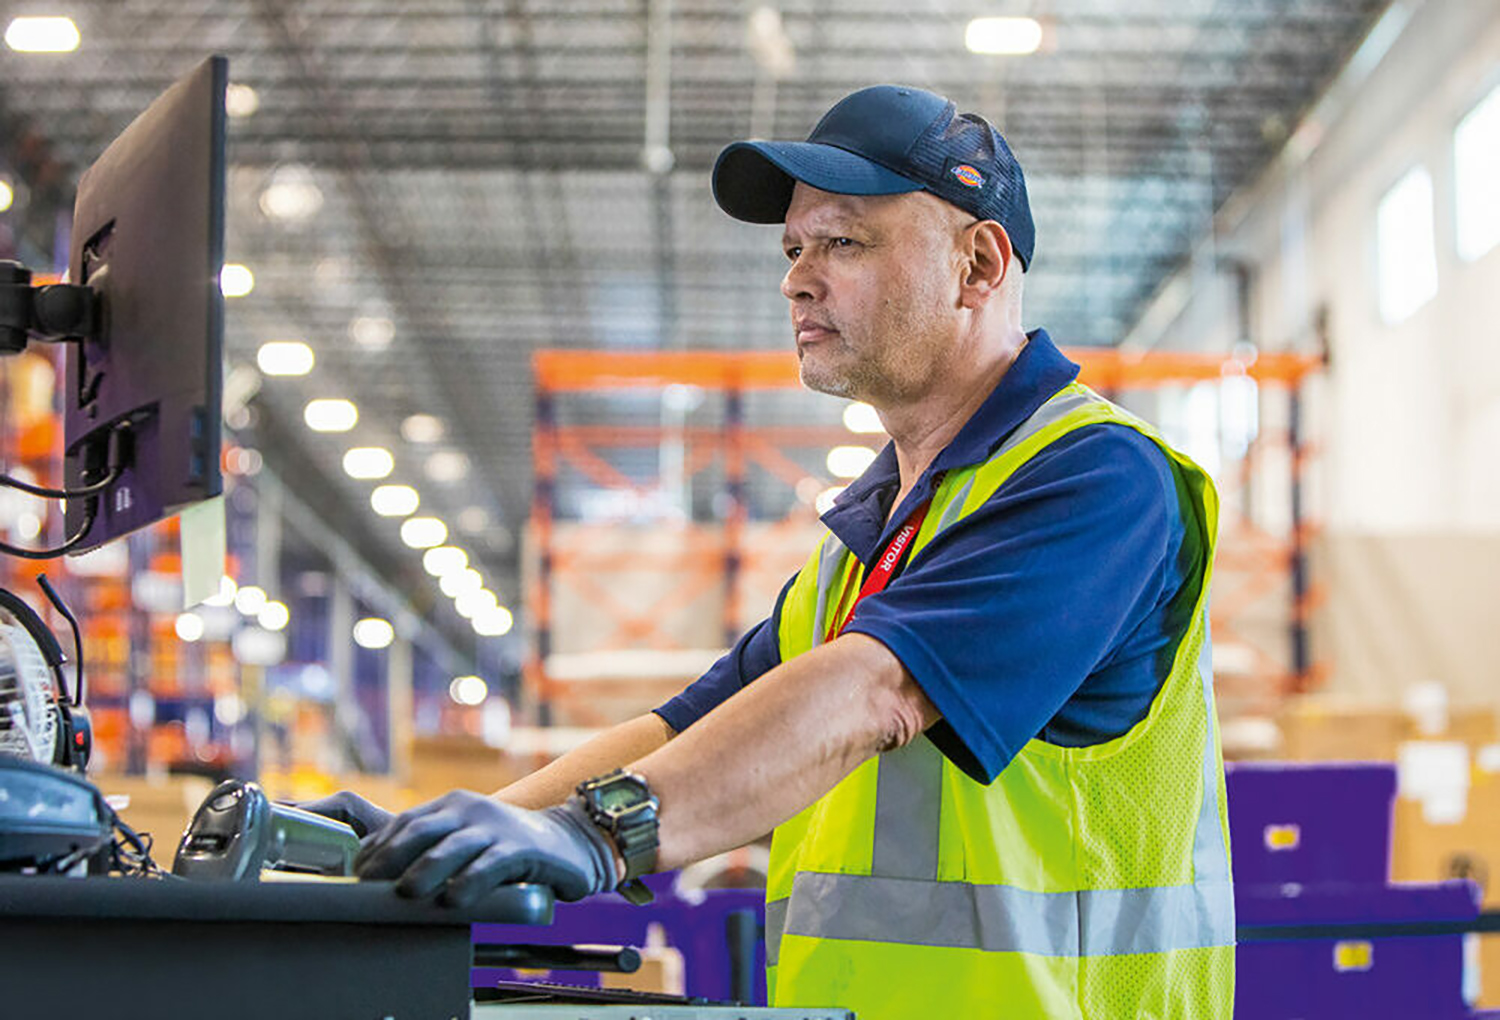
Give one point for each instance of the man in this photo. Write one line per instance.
(980, 718)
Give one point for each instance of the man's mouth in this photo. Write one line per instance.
(812, 332)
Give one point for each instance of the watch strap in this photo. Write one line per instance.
(633, 830)
(635, 892)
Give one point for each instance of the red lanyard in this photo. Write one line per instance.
(880, 575)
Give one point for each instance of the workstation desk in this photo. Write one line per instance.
(138, 948)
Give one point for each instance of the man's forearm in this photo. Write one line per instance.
(610, 750)
(780, 744)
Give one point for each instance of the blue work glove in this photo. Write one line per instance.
(351, 809)
(464, 845)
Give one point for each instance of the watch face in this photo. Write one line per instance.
(616, 797)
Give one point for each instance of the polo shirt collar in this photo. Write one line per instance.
(858, 515)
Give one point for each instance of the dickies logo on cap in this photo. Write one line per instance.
(967, 175)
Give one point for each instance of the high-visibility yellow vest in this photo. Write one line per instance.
(1084, 882)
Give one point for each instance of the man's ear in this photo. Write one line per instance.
(987, 259)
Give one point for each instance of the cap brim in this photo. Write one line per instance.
(753, 181)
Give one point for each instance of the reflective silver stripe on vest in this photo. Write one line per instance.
(1210, 855)
(996, 918)
(954, 508)
(830, 559)
(775, 925)
(908, 795)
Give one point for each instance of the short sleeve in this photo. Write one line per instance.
(1003, 616)
(756, 653)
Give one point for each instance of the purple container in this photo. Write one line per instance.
(1311, 823)
(1368, 979)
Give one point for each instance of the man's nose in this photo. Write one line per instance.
(801, 282)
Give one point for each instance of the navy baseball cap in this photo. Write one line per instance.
(884, 140)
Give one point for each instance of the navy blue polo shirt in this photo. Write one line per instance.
(1051, 611)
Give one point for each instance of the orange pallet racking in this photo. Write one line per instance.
(1254, 563)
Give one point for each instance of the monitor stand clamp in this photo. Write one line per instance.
(52, 312)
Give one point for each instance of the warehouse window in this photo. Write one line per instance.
(1476, 168)
(1405, 253)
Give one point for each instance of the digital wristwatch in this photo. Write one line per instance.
(621, 804)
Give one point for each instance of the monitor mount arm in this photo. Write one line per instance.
(53, 312)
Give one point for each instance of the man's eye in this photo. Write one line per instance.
(792, 253)
(842, 242)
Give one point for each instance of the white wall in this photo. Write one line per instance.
(1407, 418)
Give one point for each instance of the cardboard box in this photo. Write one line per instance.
(1317, 731)
(1424, 851)
(1314, 729)
(440, 764)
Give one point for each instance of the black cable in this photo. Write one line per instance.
(115, 463)
(136, 858)
(67, 614)
(41, 490)
(71, 543)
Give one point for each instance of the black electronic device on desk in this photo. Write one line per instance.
(51, 820)
(237, 832)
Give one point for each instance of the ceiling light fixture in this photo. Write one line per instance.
(274, 616)
(1015, 37)
(368, 462)
(373, 632)
(862, 418)
(285, 357)
(443, 560)
(291, 195)
(372, 332)
(468, 690)
(849, 461)
(458, 582)
(7, 195)
(240, 100)
(189, 626)
(475, 603)
(236, 280)
(42, 35)
(395, 500)
(328, 414)
(447, 466)
(422, 428)
(473, 519)
(423, 532)
(250, 600)
(495, 623)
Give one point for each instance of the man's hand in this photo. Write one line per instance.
(351, 809)
(465, 845)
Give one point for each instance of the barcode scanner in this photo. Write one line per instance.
(238, 831)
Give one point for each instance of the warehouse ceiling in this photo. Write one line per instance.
(429, 190)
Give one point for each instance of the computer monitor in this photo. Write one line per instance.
(148, 238)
